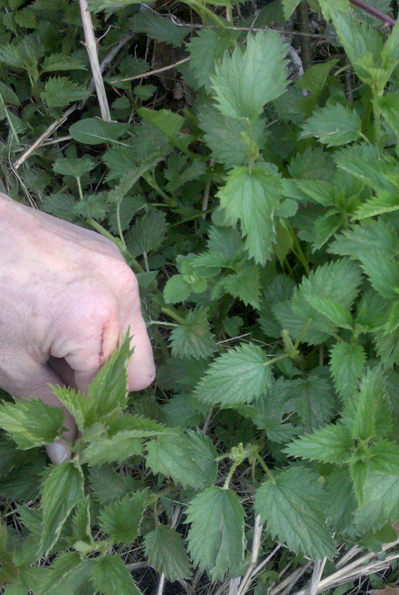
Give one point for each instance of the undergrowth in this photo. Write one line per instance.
(258, 205)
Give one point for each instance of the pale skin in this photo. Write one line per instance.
(67, 298)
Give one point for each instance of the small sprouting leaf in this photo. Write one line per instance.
(245, 81)
(111, 576)
(333, 125)
(121, 519)
(31, 422)
(217, 531)
(91, 131)
(60, 92)
(238, 376)
(75, 167)
(62, 491)
(251, 197)
(173, 457)
(165, 551)
(81, 523)
(194, 339)
(346, 362)
(332, 444)
(292, 506)
(79, 406)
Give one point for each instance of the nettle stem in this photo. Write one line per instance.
(265, 468)
(373, 11)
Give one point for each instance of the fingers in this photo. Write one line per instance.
(35, 384)
(141, 368)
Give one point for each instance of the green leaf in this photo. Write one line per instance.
(110, 576)
(381, 488)
(367, 163)
(331, 310)
(91, 131)
(107, 485)
(59, 204)
(64, 565)
(165, 551)
(31, 422)
(238, 376)
(215, 539)
(62, 490)
(79, 406)
(60, 92)
(245, 81)
(333, 125)
(194, 339)
(206, 49)
(346, 362)
(332, 444)
(176, 290)
(226, 137)
(120, 447)
(81, 525)
(313, 399)
(122, 519)
(173, 457)
(108, 390)
(56, 62)
(147, 233)
(293, 507)
(341, 502)
(244, 285)
(289, 6)
(204, 454)
(315, 76)
(388, 106)
(75, 167)
(158, 27)
(251, 196)
(272, 410)
(169, 123)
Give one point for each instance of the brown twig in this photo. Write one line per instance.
(376, 13)
(151, 72)
(304, 27)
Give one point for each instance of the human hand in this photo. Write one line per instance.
(67, 298)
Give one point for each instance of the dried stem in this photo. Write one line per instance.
(91, 47)
(151, 72)
(256, 542)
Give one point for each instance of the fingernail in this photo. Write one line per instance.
(58, 452)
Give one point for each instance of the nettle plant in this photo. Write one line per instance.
(262, 222)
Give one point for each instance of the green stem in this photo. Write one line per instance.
(230, 474)
(150, 179)
(162, 323)
(265, 468)
(276, 359)
(118, 220)
(98, 227)
(173, 314)
(377, 120)
(202, 9)
(298, 249)
(79, 189)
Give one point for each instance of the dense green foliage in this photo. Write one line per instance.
(261, 216)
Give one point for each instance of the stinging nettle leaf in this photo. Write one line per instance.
(332, 444)
(238, 376)
(110, 576)
(62, 491)
(194, 339)
(165, 551)
(245, 81)
(346, 362)
(292, 507)
(91, 131)
(333, 125)
(122, 519)
(216, 536)
(31, 423)
(251, 197)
